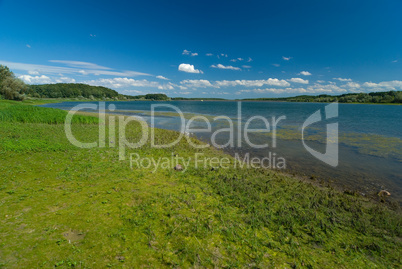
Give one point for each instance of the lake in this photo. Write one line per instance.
(370, 136)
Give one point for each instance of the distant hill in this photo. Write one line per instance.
(71, 90)
(373, 97)
(77, 90)
(151, 96)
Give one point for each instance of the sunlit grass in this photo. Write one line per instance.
(12, 112)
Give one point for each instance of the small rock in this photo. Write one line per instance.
(383, 193)
(120, 258)
(178, 167)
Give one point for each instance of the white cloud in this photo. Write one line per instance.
(65, 80)
(183, 93)
(276, 65)
(315, 89)
(45, 79)
(182, 87)
(215, 93)
(275, 90)
(83, 72)
(286, 58)
(187, 52)
(385, 85)
(305, 73)
(353, 85)
(370, 84)
(221, 66)
(395, 61)
(253, 83)
(168, 86)
(123, 83)
(238, 59)
(394, 84)
(246, 66)
(116, 73)
(196, 83)
(79, 64)
(299, 80)
(37, 68)
(28, 46)
(202, 83)
(48, 69)
(343, 79)
(133, 91)
(189, 68)
(224, 55)
(249, 60)
(209, 54)
(36, 79)
(329, 88)
(33, 72)
(162, 77)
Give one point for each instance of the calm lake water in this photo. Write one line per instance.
(370, 136)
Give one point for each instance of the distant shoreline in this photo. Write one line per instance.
(40, 101)
(84, 92)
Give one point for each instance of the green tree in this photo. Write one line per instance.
(156, 96)
(71, 90)
(398, 97)
(11, 87)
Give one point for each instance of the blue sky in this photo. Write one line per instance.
(228, 49)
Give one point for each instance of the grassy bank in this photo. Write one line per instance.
(69, 207)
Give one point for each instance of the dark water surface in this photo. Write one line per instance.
(370, 136)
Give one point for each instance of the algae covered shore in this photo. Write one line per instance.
(66, 206)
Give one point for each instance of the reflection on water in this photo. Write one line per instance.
(370, 137)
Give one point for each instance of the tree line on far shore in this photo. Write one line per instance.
(12, 88)
(373, 97)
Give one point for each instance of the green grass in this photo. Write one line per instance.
(11, 112)
(61, 206)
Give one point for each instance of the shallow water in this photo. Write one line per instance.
(370, 136)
